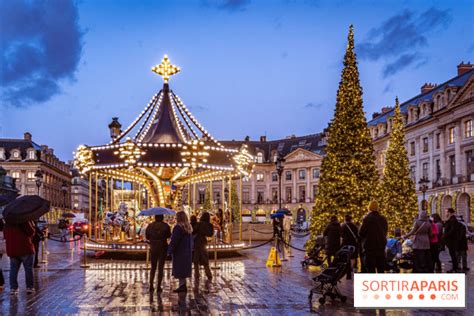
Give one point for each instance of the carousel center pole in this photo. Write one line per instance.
(96, 203)
(90, 204)
(240, 207)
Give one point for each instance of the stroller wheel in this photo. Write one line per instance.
(322, 300)
(343, 299)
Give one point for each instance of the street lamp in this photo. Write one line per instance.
(64, 190)
(279, 168)
(423, 188)
(39, 179)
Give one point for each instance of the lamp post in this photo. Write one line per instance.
(279, 168)
(64, 190)
(39, 179)
(423, 188)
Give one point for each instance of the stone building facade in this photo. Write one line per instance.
(303, 157)
(439, 139)
(22, 158)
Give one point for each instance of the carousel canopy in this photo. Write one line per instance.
(165, 143)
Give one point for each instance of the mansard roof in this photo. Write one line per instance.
(457, 81)
(21, 144)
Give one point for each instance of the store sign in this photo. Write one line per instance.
(414, 290)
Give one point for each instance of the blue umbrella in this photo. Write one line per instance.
(284, 211)
(157, 211)
(276, 215)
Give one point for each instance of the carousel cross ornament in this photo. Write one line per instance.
(166, 69)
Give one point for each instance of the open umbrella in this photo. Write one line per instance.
(157, 211)
(25, 208)
(68, 215)
(284, 211)
(7, 198)
(277, 215)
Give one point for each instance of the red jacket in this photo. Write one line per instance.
(18, 239)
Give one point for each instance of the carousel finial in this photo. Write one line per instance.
(166, 69)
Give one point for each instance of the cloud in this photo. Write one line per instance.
(311, 105)
(41, 46)
(228, 5)
(399, 39)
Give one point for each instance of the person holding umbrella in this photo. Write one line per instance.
(157, 234)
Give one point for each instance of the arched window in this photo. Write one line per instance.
(260, 157)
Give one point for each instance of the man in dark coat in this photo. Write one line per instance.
(350, 237)
(201, 231)
(462, 246)
(332, 235)
(373, 234)
(157, 234)
(451, 237)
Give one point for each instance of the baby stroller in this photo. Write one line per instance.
(315, 256)
(325, 283)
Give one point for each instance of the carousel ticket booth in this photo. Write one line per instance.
(162, 152)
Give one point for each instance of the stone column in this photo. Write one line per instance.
(431, 167)
(268, 179)
(252, 189)
(418, 150)
(295, 197)
(308, 185)
(460, 165)
(442, 152)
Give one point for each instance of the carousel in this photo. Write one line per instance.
(164, 152)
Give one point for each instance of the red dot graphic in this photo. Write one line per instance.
(410, 296)
(399, 296)
(433, 296)
(376, 296)
(387, 296)
(422, 296)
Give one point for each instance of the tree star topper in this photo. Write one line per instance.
(166, 69)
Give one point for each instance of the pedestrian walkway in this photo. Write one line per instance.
(242, 286)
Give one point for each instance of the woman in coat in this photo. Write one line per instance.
(201, 231)
(421, 233)
(180, 249)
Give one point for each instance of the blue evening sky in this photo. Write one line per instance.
(248, 67)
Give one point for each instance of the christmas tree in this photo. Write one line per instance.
(348, 175)
(397, 191)
(207, 206)
(235, 203)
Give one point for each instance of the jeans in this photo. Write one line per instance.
(462, 258)
(375, 261)
(15, 263)
(454, 258)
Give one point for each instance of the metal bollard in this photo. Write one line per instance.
(43, 252)
(215, 267)
(84, 264)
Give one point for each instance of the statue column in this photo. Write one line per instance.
(442, 154)
(460, 166)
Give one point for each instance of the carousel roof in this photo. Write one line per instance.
(164, 134)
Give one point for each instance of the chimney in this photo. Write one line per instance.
(27, 136)
(386, 109)
(263, 139)
(427, 87)
(375, 115)
(247, 138)
(463, 68)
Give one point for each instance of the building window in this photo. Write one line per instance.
(274, 176)
(260, 197)
(425, 144)
(425, 170)
(412, 148)
(302, 193)
(259, 177)
(288, 176)
(413, 173)
(2, 153)
(245, 196)
(15, 175)
(468, 131)
(315, 173)
(30, 175)
(31, 155)
(452, 166)
(260, 157)
(302, 174)
(315, 191)
(288, 194)
(245, 179)
(470, 162)
(275, 195)
(202, 196)
(437, 140)
(438, 170)
(16, 154)
(451, 135)
(76, 205)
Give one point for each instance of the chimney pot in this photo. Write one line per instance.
(427, 87)
(464, 67)
(263, 139)
(27, 136)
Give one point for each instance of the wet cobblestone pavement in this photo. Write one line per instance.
(242, 286)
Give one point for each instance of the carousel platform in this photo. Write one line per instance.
(142, 247)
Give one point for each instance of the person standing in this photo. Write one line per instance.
(202, 231)
(439, 227)
(37, 237)
(462, 246)
(434, 247)
(350, 237)
(451, 238)
(332, 235)
(157, 234)
(421, 243)
(180, 249)
(373, 234)
(20, 249)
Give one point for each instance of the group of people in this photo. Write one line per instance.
(429, 236)
(187, 246)
(22, 246)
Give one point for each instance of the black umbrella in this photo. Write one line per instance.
(68, 215)
(25, 208)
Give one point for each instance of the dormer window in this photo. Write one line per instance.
(2, 154)
(259, 158)
(31, 155)
(15, 154)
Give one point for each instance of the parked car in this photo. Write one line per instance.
(79, 228)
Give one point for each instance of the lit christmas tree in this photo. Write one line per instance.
(235, 203)
(348, 175)
(207, 206)
(397, 195)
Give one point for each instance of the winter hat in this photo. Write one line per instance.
(373, 206)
